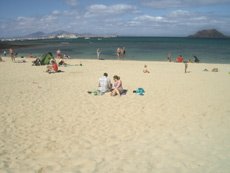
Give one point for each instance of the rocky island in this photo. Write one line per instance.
(213, 33)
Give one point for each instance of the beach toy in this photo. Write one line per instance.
(140, 91)
(80, 64)
(95, 92)
(215, 70)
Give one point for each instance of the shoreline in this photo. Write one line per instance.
(115, 60)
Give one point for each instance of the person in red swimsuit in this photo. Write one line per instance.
(58, 53)
(180, 59)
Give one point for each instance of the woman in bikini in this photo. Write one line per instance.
(118, 89)
(119, 52)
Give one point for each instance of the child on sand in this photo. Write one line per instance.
(145, 69)
(185, 66)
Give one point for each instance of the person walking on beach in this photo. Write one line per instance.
(185, 67)
(119, 52)
(58, 53)
(123, 53)
(12, 54)
(169, 58)
(98, 53)
(4, 53)
(104, 83)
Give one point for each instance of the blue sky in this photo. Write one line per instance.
(120, 17)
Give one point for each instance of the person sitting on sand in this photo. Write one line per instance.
(196, 59)
(62, 62)
(1, 60)
(104, 83)
(145, 69)
(180, 59)
(189, 61)
(52, 68)
(118, 89)
(52, 59)
(37, 62)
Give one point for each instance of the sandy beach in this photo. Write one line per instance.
(49, 123)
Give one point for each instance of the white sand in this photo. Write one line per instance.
(49, 123)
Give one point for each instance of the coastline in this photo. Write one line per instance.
(49, 123)
(141, 48)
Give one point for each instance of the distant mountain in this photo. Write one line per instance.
(36, 35)
(208, 34)
(60, 32)
(40, 34)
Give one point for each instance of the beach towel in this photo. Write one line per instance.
(67, 65)
(55, 71)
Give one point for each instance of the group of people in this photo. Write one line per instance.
(119, 52)
(181, 59)
(105, 85)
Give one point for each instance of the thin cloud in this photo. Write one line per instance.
(99, 10)
(72, 3)
(180, 3)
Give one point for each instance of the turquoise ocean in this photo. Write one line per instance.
(208, 50)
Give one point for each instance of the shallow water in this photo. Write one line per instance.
(208, 50)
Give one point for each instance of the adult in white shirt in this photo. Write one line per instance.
(104, 83)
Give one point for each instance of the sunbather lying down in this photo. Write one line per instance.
(20, 61)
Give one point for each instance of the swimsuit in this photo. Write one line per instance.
(115, 85)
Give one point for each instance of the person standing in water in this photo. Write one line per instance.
(58, 53)
(12, 54)
(98, 53)
(169, 58)
(119, 52)
(123, 53)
